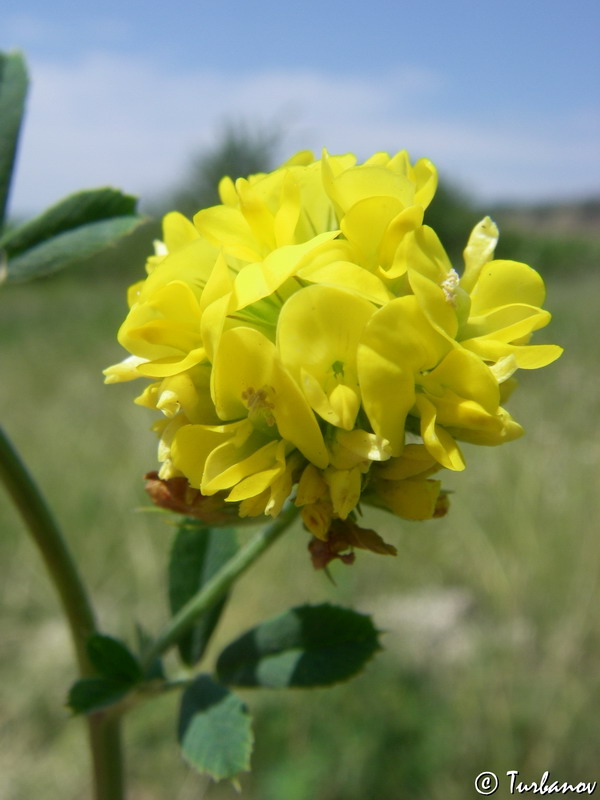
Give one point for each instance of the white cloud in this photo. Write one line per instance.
(125, 121)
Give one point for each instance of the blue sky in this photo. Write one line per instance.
(503, 96)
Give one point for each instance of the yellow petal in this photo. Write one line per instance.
(404, 222)
(225, 227)
(411, 499)
(213, 323)
(503, 283)
(149, 396)
(353, 448)
(317, 518)
(526, 356)
(227, 192)
(422, 252)
(164, 326)
(171, 365)
(263, 278)
(189, 392)
(479, 250)
(344, 489)
(465, 375)
(247, 364)
(229, 465)
(286, 217)
(504, 369)
(415, 460)
(318, 332)
(177, 231)
(506, 323)
(434, 300)
(438, 441)
(257, 214)
(357, 183)
(191, 263)
(349, 276)
(256, 483)
(426, 179)
(398, 342)
(316, 397)
(365, 224)
(281, 488)
(301, 158)
(344, 401)
(218, 284)
(506, 431)
(192, 444)
(311, 486)
(125, 370)
(133, 293)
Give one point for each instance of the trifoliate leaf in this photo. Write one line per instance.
(68, 248)
(306, 646)
(215, 731)
(73, 211)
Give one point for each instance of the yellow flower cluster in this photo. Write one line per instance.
(311, 332)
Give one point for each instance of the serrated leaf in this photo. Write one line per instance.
(68, 249)
(92, 694)
(73, 211)
(304, 647)
(197, 554)
(113, 659)
(214, 731)
(13, 91)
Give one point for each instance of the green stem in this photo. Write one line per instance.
(53, 548)
(218, 585)
(103, 733)
(107, 756)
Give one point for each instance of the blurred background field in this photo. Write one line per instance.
(491, 615)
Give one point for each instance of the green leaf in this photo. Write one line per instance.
(113, 659)
(81, 208)
(69, 248)
(13, 91)
(197, 554)
(215, 731)
(92, 694)
(306, 646)
(120, 671)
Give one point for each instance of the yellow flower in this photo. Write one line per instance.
(310, 337)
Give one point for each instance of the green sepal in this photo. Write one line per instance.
(215, 730)
(197, 554)
(304, 647)
(13, 92)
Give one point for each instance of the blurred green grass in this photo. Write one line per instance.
(491, 615)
